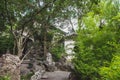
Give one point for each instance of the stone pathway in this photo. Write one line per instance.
(57, 75)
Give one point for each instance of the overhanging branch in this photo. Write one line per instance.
(35, 12)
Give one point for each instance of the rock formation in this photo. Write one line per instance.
(10, 66)
(49, 64)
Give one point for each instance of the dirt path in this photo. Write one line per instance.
(57, 75)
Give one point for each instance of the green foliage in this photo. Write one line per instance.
(57, 52)
(98, 35)
(57, 44)
(5, 78)
(3, 16)
(93, 51)
(111, 72)
(6, 42)
(26, 77)
(97, 42)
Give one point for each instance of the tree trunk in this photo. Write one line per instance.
(45, 43)
(20, 46)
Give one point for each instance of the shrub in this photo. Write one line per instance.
(57, 52)
(5, 78)
(92, 52)
(111, 72)
(6, 43)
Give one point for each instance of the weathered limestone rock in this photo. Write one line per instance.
(10, 66)
(49, 64)
(38, 74)
(49, 59)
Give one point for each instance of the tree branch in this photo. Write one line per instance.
(36, 12)
(26, 55)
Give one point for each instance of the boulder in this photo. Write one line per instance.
(10, 66)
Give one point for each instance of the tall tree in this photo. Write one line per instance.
(21, 17)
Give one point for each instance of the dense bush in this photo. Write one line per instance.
(6, 42)
(92, 52)
(57, 51)
(97, 43)
(111, 72)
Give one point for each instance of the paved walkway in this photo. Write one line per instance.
(57, 75)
